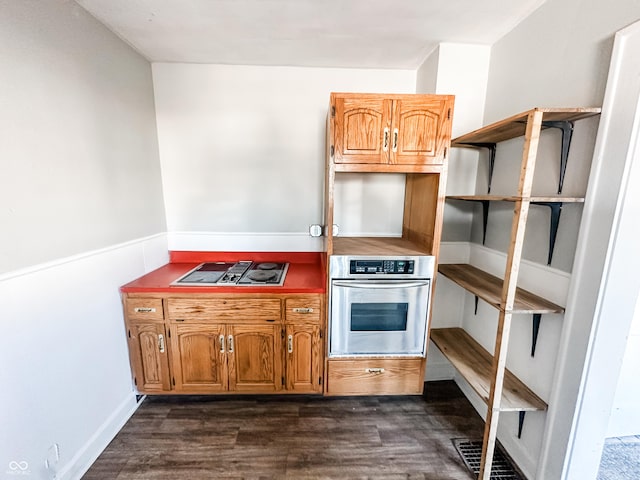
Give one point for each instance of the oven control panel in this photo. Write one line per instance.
(368, 267)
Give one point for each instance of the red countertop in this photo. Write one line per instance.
(306, 274)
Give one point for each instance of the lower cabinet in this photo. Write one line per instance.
(149, 357)
(216, 358)
(375, 376)
(199, 358)
(205, 345)
(304, 374)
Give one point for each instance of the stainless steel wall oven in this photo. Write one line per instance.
(379, 305)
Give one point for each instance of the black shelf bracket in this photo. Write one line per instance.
(556, 210)
(492, 159)
(485, 218)
(485, 214)
(521, 414)
(475, 311)
(566, 127)
(537, 318)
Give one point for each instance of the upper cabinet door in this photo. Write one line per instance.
(390, 129)
(421, 129)
(362, 129)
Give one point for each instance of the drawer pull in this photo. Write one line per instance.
(161, 343)
(221, 343)
(230, 343)
(144, 310)
(302, 310)
(375, 371)
(290, 343)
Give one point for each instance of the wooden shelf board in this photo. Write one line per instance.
(515, 126)
(475, 364)
(489, 288)
(376, 246)
(515, 198)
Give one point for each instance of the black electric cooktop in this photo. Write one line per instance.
(242, 273)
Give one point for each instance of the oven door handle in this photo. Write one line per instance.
(380, 285)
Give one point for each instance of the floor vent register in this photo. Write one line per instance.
(471, 453)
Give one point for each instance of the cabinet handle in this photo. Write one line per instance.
(375, 371)
(221, 343)
(290, 343)
(385, 143)
(395, 139)
(230, 343)
(144, 310)
(302, 310)
(161, 343)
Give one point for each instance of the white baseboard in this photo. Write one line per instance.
(439, 371)
(84, 458)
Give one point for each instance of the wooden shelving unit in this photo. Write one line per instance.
(486, 373)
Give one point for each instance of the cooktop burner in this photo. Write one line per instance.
(242, 273)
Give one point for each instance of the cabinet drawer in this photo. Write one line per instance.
(302, 310)
(143, 308)
(375, 377)
(224, 309)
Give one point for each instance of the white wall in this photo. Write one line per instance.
(82, 213)
(64, 360)
(556, 57)
(78, 145)
(242, 152)
(461, 70)
(625, 414)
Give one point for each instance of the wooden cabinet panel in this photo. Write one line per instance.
(303, 352)
(146, 309)
(375, 376)
(148, 351)
(390, 129)
(303, 310)
(224, 310)
(199, 358)
(255, 358)
(360, 128)
(423, 130)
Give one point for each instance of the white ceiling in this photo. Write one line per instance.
(396, 34)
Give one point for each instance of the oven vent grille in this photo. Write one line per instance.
(471, 453)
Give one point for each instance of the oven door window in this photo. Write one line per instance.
(379, 317)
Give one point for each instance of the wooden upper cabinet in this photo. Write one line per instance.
(390, 129)
(362, 129)
(421, 129)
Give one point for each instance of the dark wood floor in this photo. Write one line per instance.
(294, 437)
